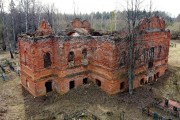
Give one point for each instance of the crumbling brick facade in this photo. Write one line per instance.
(60, 63)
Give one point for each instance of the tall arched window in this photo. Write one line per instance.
(47, 60)
(159, 51)
(151, 57)
(143, 56)
(84, 53)
(71, 57)
(122, 59)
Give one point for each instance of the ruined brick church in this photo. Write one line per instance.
(59, 63)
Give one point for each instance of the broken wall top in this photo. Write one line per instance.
(153, 23)
(78, 26)
(77, 23)
(44, 29)
(107, 38)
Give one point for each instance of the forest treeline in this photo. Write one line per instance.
(25, 15)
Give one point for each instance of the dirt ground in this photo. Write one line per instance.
(17, 104)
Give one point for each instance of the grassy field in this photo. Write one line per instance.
(17, 104)
(174, 54)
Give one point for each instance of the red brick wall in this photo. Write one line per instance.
(102, 62)
(77, 23)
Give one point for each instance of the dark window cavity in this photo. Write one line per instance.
(122, 85)
(159, 51)
(85, 80)
(98, 82)
(84, 53)
(48, 86)
(122, 59)
(71, 57)
(151, 57)
(71, 84)
(142, 81)
(47, 60)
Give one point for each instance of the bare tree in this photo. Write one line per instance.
(2, 17)
(26, 5)
(49, 14)
(12, 14)
(33, 15)
(133, 7)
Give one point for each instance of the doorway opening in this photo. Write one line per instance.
(71, 84)
(48, 86)
(157, 74)
(85, 80)
(98, 82)
(142, 81)
(122, 85)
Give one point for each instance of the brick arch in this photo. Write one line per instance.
(46, 51)
(86, 25)
(76, 23)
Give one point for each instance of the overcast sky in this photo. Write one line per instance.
(172, 7)
(88, 6)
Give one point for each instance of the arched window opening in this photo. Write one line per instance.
(151, 57)
(84, 53)
(159, 51)
(84, 60)
(122, 85)
(122, 59)
(71, 57)
(142, 81)
(98, 82)
(146, 56)
(47, 60)
(142, 56)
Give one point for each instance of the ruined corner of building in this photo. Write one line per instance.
(80, 54)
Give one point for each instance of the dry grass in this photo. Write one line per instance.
(174, 54)
(175, 27)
